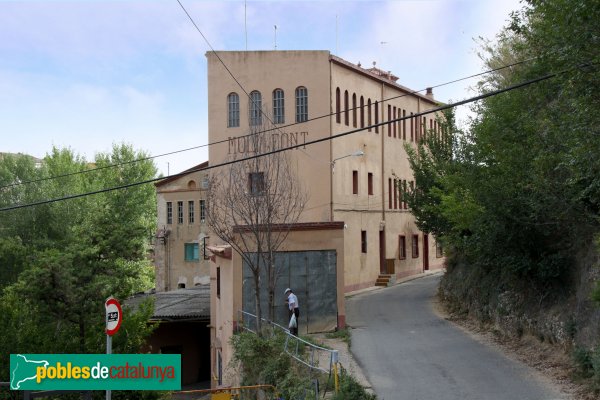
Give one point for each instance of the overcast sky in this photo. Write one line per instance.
(87, 74)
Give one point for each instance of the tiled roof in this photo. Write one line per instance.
(177, 304)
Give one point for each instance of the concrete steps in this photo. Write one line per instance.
(384, 280)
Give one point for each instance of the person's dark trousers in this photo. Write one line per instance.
(294, 331)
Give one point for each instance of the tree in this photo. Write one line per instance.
(252, 204)
(521, 195)
(78, 251)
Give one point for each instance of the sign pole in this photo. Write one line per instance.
(114, 317)
(108, 351)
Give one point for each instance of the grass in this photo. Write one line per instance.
(343, 334)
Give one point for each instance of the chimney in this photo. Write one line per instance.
(429, 93)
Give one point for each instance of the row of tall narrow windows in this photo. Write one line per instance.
(191, 212)
(416, 127)
(396, 188)
(255, 107)
(402, 246)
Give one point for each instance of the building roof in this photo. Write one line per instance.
(192, 303)
(188, 171)
(382, 76)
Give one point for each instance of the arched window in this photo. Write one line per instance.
(255, 108)
(346, 115)
(233, 110)
(337, 105)
(362, 112)
(301, 104)
(354, 110)
(278, 106)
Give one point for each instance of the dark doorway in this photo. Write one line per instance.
(382, 266)
(425, 252)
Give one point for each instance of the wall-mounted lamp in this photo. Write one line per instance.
(358, 153)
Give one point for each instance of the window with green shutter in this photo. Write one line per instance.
(192, 252)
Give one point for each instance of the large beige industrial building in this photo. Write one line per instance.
(355, 210)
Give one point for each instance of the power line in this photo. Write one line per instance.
(256, 133)
(326, 138)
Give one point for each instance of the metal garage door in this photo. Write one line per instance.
(312, 277)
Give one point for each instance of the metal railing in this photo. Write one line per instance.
(266, 392)
(301, 350)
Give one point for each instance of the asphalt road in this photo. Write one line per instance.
(408, 352)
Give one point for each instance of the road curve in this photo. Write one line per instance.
(408, 352)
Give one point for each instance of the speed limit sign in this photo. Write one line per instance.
(114, 316)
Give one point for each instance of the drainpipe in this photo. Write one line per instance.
(382, 155)
(330, 141)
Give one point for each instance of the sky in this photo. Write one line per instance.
(89, 74)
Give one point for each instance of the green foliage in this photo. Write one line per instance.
(350, 389)
(519, 194)
(596, 293)
(262, 361)
(587, 363)
(63, 259)
(12, 259)
(343, 334)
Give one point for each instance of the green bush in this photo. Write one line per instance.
(263, 361)
(350, 389)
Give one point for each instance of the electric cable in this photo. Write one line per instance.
(323, 139)
(259, 132)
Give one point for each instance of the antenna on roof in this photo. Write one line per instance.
(245, 26)
(275, 36)
(336, 35)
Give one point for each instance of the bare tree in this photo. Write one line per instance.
(252, 205)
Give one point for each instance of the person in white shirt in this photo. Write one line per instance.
(292, 302)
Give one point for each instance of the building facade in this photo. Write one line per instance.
(353, 181)
(179, 255)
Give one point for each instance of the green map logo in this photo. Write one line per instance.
(95, 371)
(23, 370)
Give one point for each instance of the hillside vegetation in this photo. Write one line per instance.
(515, 197)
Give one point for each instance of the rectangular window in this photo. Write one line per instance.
(404, 125)
(415, 246)
(390, 193)
(370, 182)
(219, 282)
(439, 251)
(404, 189)
(180, 212)
(169, 212)
(395, 194)
(191, 252)
(376, 117)
(191, 212)
(363, 241)
(412, 128)
(354, 182)
(395, 123)
(389, 124)
(202, 211)
(369, 114)
(256, 183)
(401, 247)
